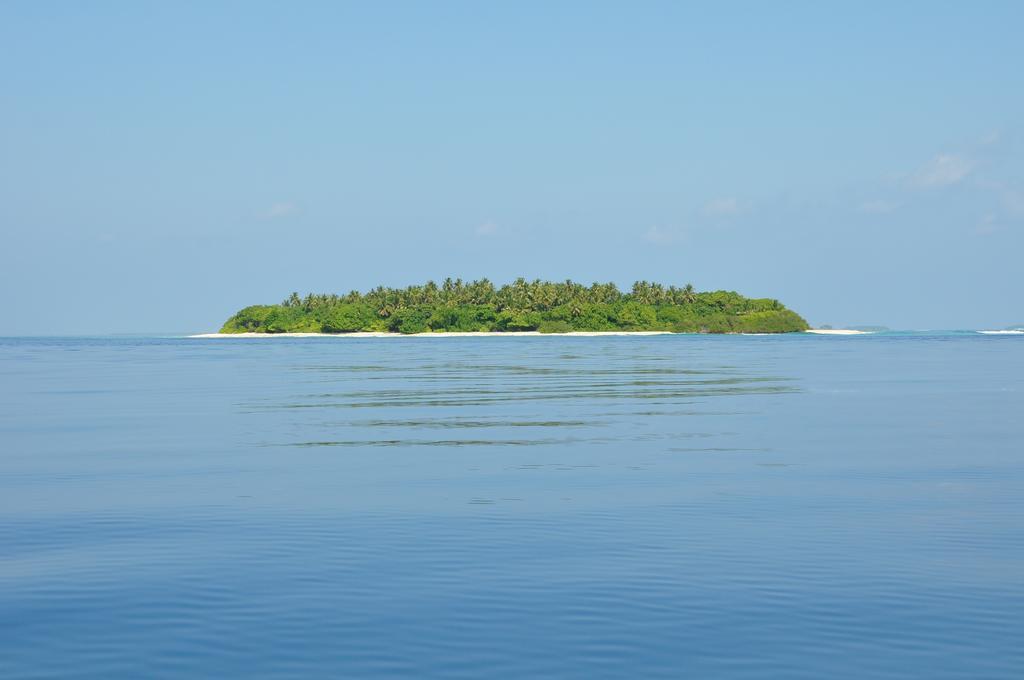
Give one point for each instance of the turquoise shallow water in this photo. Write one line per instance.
(669, 506)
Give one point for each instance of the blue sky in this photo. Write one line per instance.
(164, 164)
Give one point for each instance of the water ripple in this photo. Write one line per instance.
(719, 507)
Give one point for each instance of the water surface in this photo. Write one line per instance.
(663, 506)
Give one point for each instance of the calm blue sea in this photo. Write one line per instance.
(562, 507)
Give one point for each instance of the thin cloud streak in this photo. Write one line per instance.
(722, 207)
(879, 207)
(487, 229)
(943, 170)
(662, 236)
(279, 210)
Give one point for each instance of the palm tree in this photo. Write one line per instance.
(657, 293)
(642, 292)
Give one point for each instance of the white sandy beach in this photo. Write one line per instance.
(486, 334)
(422, 335)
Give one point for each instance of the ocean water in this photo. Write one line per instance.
(669, 506)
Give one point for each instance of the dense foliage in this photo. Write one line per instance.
(520, 306)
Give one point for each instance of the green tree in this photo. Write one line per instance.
(456, 305)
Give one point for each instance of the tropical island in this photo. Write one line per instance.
(479, 306)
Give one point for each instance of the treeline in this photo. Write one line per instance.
(520, 306)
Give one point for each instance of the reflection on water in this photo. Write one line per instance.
(729, 507)
(468, 393)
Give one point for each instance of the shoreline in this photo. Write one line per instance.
(441, 334)
(481, 334)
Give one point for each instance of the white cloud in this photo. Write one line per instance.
(987, 225)
(722, 207)
(662, 236)
(487, 229)
(879, 207)
(943, 170)
(279, 210)
(1013, 202)
(992, 137)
